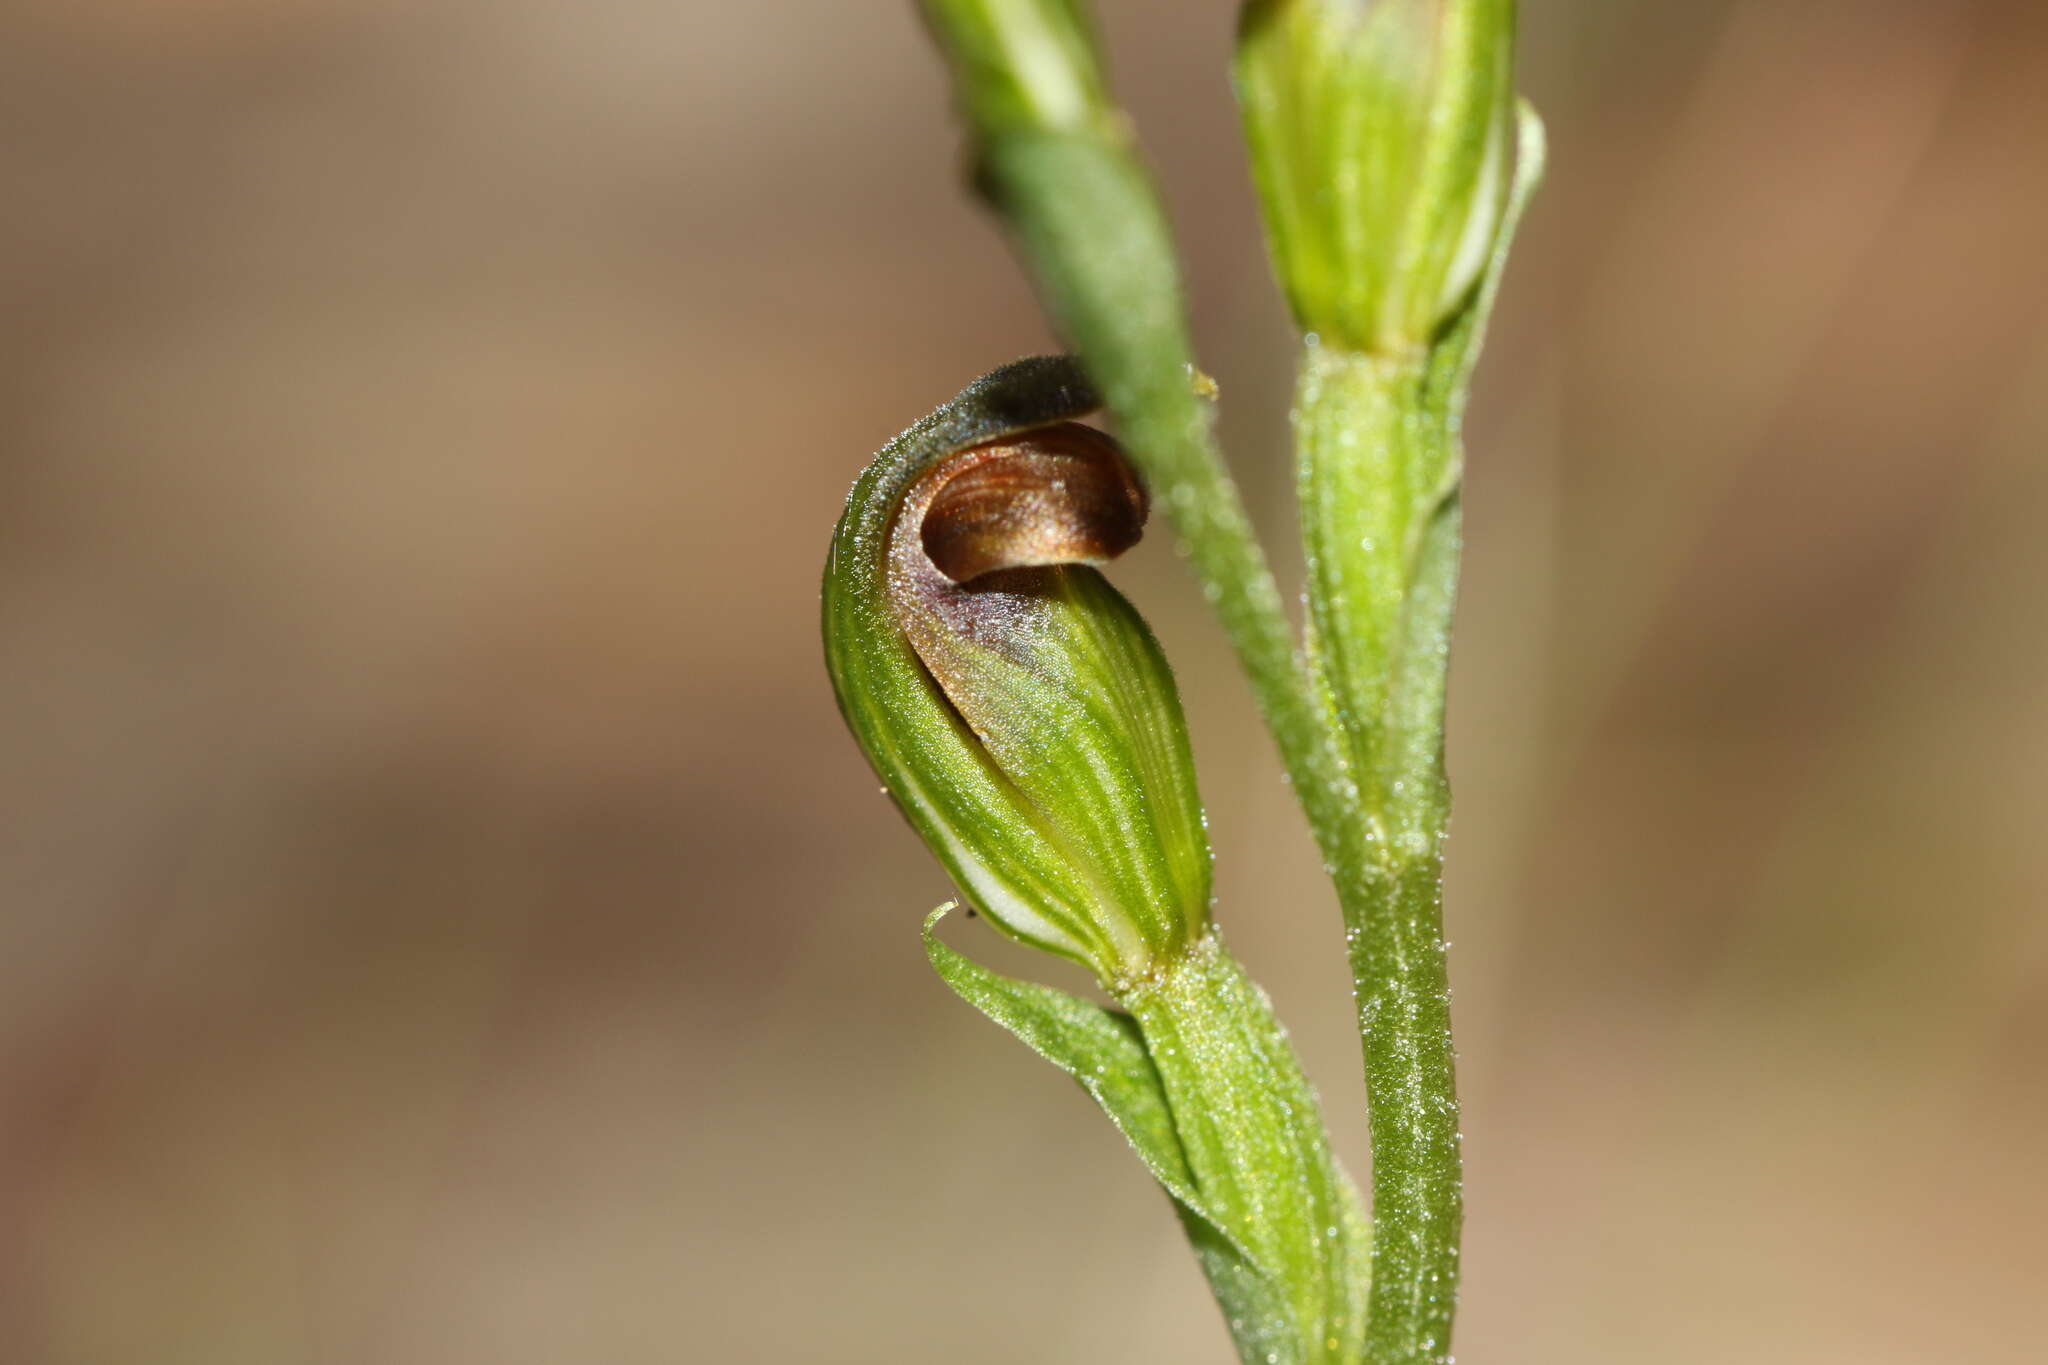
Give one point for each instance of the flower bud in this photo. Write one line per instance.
(1015, 704)
(1380, 137)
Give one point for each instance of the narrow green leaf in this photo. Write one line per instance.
(1200, 1079)
(1104, 1051)
(1253, 1134)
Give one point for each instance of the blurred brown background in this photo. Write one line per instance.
(443, 919)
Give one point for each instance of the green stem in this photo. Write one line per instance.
(1378, 477)
(1380, 468)
(1361, 733)
(1256, 1150)
(1378, 481)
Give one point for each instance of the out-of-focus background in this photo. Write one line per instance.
(442, 920)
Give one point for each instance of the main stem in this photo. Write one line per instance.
(1378, 481)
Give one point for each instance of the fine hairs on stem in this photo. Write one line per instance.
(1023, 716)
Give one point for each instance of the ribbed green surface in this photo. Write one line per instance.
(1199, 1077)
(1380, 139)
(1051, 774)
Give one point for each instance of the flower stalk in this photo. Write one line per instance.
(1383, 144)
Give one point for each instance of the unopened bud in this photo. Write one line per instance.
(1380, 138)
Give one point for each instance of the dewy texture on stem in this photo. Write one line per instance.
(1027, 725)
(1379, 139)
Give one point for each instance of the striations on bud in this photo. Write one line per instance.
(1380, 134)
(1017, 707)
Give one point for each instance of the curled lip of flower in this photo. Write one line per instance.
(1061, 494)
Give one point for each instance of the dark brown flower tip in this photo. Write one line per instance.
(1061, 494)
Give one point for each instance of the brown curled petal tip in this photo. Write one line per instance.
(1060, 494)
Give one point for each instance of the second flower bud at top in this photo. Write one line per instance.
(1380, 136)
